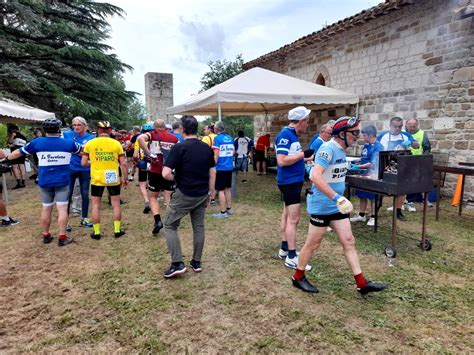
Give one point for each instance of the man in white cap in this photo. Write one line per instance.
(290, 178)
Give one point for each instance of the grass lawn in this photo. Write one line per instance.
(110, 295)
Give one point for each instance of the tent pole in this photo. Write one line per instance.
(357, 110)
(219, 111)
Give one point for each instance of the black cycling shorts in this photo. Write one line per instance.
(320, 220)
(291, 193)
(157, 183)
(223, 180)
(142, 175)
(98, 191)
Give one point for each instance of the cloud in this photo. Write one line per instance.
(206, 41)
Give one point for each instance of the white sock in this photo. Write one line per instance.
(5, 218)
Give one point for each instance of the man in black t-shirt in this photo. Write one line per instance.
(191, 164)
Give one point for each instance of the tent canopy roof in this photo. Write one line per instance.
(15, 112)
(258, 91)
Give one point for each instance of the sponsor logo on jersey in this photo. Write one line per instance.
(283, 141)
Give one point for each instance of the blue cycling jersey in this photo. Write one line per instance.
(225, 144)
(54, 156)
(332, 157)
(76, 159)
(287, 143)
(370, 154)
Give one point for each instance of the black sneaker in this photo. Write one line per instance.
(175, 270)
(244, 181)
(157, 227)
(10, 222)
(95, 236)
(372, 287)
(195, 265)
(304, 285)
(63, 242)
(401, 216)
(47, 239)
(33, 177)
(119, 234)
(146, 210)
(18, 186)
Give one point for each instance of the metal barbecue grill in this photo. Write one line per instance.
(399, 173)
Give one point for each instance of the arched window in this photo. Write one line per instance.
(322, 77)
(320, 80)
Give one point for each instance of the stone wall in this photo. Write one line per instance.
(158, 95)
(414, 62)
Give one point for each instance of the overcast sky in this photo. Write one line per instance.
(182, 36)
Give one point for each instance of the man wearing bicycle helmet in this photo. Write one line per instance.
(54, 155)
(327, 206)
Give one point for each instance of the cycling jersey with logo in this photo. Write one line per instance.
(225, 145)
(82, 140)
(54, 156)
(104, 153)
(370, 154)
(393, 141)
(287, 143)
(332, 158)
(242, 146)
(161, 142)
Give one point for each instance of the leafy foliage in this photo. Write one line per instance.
(53, 57)
(220, 71)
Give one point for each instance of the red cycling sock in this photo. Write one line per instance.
(46, 235)
(299, 275)
(62, 237)
(360, 280)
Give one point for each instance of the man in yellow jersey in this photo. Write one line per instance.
(105, 156)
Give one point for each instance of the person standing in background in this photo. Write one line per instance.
(242, 147)
(79, 135)
(261, 148)
(16, 140)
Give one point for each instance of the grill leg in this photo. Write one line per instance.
(438, 198)
(462, 194)
(423, 228)
(394, 222)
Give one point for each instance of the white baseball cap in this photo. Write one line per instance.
(298, 113)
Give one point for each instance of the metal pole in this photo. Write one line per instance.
(219, 111)
(357, 110)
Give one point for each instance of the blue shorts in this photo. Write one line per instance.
(242, 164)
(364, 194)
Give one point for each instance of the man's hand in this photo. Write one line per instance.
(344, 205)
(406, 144)
(124, 182)
(308, 153)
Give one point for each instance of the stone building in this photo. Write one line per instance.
(407, 58)
(158, 95)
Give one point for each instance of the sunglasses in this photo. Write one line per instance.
(355, 133)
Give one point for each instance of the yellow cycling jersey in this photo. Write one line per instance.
(104, 153)
(209, 140)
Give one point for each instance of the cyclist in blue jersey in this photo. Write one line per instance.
(54, 155)
(369, 159)
(323, 136)
(395, 139)
(223, 148)
(77, 171)
(290, 178)
(326, 206)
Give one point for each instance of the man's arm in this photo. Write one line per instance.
(212, 180)
(124, 168)
(216, 154)
(287, 160)
(15, 155)
(142, 142)
(167, 173)
(85, 160)
(426, 144)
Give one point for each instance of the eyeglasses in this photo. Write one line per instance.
(397, 126)
(355, 133)
(77, 124)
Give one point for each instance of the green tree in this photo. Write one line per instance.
(220, 71)
(53, 57)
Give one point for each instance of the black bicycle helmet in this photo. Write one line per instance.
(52, 125)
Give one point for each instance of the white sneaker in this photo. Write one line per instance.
(329, 229)
(358, 218)
(230, 211)
(371, 222)
(430, 204)
(293, 263)
(220, 215)
(282, 254)
(391, 208)
(411, 207)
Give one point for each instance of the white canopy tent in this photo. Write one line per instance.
(14, 112)
(260, 91)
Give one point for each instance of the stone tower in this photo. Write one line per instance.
(158, 95)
